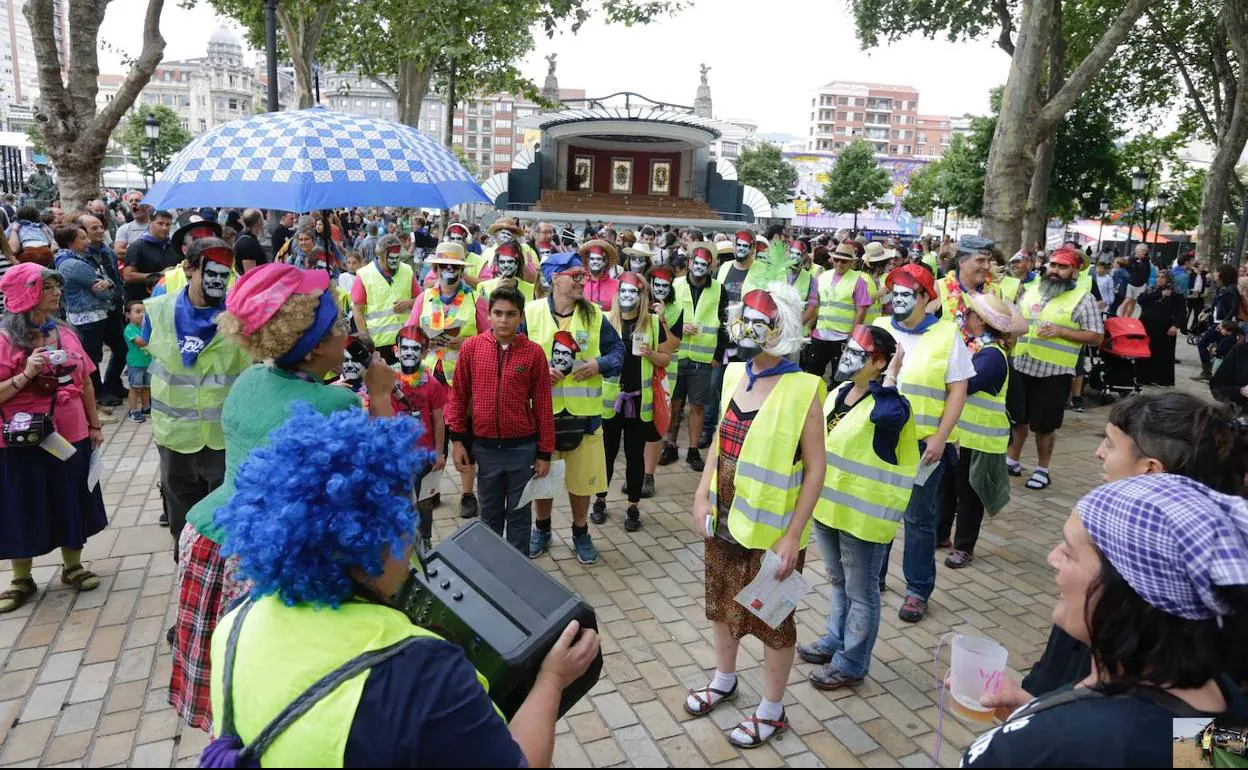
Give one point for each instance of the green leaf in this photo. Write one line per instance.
(765, 168)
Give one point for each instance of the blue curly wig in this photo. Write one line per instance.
(327, 493)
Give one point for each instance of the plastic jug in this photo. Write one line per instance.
(977, 668)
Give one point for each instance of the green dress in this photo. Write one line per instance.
(258, 404)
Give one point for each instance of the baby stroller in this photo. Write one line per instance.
(1113, 364)
(1204, 319)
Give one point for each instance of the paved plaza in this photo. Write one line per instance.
(84, 678)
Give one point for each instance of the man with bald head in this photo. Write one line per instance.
(97, 209)
(248, 253)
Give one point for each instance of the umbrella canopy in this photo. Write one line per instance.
(314, 159)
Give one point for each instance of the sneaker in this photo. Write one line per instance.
(598, 514)
(586, 553)
(468, 506)
(694, 458)
(539, 543)
(669, 455)
(812, 653)
(647, 487)
(136, 416)
(913, 610)
(830, 678)
(957, 559)
(108, 399)
(163, 520)
(1076, 404)
(632, 519)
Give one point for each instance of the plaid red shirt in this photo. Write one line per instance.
(502, 394)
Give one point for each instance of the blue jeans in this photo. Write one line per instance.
(1210, 336)
(918, 562)
(710, 416)
(854, 615)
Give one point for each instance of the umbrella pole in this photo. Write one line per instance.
(326, 232)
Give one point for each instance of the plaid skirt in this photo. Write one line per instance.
(207, 586)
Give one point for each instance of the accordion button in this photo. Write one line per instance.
(457, 595)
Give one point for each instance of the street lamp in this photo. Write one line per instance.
(1100, 244)
(151, 128)
(1163, 200)
(1139, 180)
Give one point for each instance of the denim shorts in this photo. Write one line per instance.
(139, 378)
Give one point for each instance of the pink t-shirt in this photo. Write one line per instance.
(70, 416)
(360, 297)
(601, 291)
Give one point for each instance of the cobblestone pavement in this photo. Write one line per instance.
(84, 678)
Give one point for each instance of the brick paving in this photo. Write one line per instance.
(84, 677)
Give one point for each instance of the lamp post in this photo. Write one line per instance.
(151, 128)
(270, 50)
(1100, 244)
(1139, 180)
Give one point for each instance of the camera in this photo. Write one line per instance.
(57, 357)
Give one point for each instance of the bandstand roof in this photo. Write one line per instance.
(639, 114)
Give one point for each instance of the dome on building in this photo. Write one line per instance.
(224, 35)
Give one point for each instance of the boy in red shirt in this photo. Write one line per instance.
(500, 410)
(420, 395)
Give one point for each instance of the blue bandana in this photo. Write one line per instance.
(558, 262)
(195, 327)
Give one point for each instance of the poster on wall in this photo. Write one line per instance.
(621, 175)
(583, 170)
(660, 177)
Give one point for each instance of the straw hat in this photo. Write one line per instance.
(875, 252)
(607, 249)
(506, 224)
(996, 312)
(845, 251)
(448, 253)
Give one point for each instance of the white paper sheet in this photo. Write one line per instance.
(771, 600)
(429, 485)
(924, 472)
(96, 470)
(545, 488)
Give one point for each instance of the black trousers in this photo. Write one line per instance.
(957, 498)
(114, 338)
(818, 354)
(185, 479)
(634, 433)
(1194, 306)
(92, 338)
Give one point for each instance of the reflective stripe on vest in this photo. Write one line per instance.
(582, 398)
(865, 496)
(985, 425)
(836, 302)
(611, 385)
(1058, 311)
(699, 347)
(187, 401)
(922, 379)
(767, 481)
(433, 319)
(383, 322)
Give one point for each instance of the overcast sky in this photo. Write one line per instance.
(771, 84)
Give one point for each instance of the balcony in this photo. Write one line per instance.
(877, 133)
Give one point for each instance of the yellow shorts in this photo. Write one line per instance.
(585, 468)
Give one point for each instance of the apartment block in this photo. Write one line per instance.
(886, 116)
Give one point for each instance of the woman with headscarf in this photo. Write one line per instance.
(763, 476)
(1163, 311)
(286, 318)
(45, 392)
(1153, 578)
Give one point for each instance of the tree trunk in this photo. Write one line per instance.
(1036, 216)
(303, 34)
(413, 84)
(1213, 195)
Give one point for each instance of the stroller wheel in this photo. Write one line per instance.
(1193, 340)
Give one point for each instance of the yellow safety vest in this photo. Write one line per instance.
(922, 378)
(175, 279)
(434, 318)
(274, 664)
(984, 425)
(187, 402)
(862, 494)
(1084, 282)
(582, 398)
(877, 303)
(1010, 285)
(485, 288)
(699, 347)
(611, 385)
(1060, 311)
(767, 480)
(671, 314)
(753, 276)
(836, 302)
(383, 322)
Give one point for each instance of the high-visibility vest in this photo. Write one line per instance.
(801, 285)
(699, 347)
(767, 480)
(922, 379)
(187, 401)
(274, 664)
(1084, 281)
(1010, 285)
(836, 302)
(1060, 311)
(383, 322)
(436, 316)
(671, 314)
(877, 303)
(485, 288)
(582, 398)
(611, 385)
(753, 276)
(984, 425)
(932, 260)
(175, 280)
(862, 494)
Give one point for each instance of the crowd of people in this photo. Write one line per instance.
(834, 385)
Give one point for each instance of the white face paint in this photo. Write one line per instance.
(456, 237)
(561, 358)
(505, 236)
(629, 296)
(352, 372)
(216, 279)
(698, 267)
(507, 266)
(752, 330)
(637, 264)
(661, 289)
(393, 261)
(544, 253)
(852, 361)
(797, 258)
(410, 353)
(904, 300)
(449, 275)
(742, 250)
(597, 263)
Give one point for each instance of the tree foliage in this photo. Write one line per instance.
(765, 168)
(132, 136)
(855, 182)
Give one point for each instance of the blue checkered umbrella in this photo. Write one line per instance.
(314, 159)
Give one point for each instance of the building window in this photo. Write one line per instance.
(893, 149)
(922, 137)
(840, 145)
(472, 141)
(487, 125)
(457, 139)
(485, 142)
(472, 125)
(906, 149)
(841, 100)
(502, 141)
(458, 123)
(502, 157)
(203, 125)
(503, 124)
(840, 116)
(233, 104)
(359, 103)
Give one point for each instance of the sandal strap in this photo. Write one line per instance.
(753, 732)
(709, 691)
(77, 574)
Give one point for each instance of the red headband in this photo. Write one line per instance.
(414, 333)
(862, 335)
(201, 232)
(704, 253)
(597, 250)
(508, 249)
(633, 279)
(222, 255)
(761, 301)
(663, 272)
(458, 227)
(798, 245)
